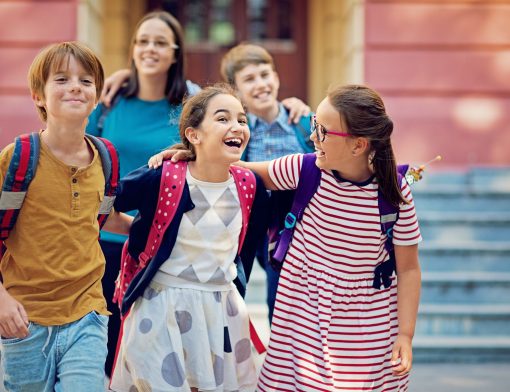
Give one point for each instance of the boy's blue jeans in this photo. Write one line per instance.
(67, 357)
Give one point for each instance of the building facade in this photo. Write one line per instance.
(443, 68)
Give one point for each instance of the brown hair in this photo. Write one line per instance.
(175, 88)
(51, 59)
(193, 113)
(239, 57)
(362, 111)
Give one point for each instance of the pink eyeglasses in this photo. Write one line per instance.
(322, 132)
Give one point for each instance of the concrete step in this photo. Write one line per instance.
(463, 320)
(465, 226)
(433, 198)
(464, 256)
(476, 179)
(490, 177)
(467, 287)
(461, 349)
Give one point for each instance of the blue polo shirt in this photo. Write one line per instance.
(272, 140)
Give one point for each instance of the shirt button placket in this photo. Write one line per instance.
(75, 191)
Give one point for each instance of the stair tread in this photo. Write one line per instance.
(459, 276)
(455, 309)
(463, 216)
(438, 341)
(471, 245)
(458, 190)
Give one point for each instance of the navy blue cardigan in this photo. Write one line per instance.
(139, 190)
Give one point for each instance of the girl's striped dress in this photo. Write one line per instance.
(331, 330)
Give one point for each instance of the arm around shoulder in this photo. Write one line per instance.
(261, 169)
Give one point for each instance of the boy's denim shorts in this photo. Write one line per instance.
(67, 357)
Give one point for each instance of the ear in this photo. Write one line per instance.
(192, 135)
(361, 145)
(37, 100)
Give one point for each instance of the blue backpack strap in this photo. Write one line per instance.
(389, 216)
(304, 193)
(302, 130)
(20, 173)
(111, 168)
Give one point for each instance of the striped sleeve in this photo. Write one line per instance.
(284, 171)
(406, 230)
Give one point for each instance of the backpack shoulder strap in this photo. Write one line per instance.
(388, 212)
(304, 193)
(302, 128)
(388, 215)
(20, 173)
(173, 179)
(246, 187)
(110, 163)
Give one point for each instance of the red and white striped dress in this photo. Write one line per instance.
(331, 330)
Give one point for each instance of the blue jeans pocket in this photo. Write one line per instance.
(7, 341)
(99, 319)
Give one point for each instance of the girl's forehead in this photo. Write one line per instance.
(225, 102)
(326, 110)
(154, 26)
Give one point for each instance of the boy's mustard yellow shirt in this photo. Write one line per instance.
(53, 264)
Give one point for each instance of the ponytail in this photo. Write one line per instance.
(385, 169)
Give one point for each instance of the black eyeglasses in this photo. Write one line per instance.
(322, 132)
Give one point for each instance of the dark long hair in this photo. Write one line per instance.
(364, 115)
(193, 113)
(175, 88)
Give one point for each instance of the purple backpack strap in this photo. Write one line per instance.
(389, 215)
(309, 180)
(173, 179)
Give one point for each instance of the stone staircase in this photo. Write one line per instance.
(464, 313)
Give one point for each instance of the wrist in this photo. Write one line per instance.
(406, 336)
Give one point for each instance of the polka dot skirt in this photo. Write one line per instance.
(178, 338)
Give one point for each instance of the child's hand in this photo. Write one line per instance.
(13, 318)
(402, 355)
(296, 108)
(156, 161)
(112, 85)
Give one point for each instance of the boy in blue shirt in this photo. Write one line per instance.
(250, 70)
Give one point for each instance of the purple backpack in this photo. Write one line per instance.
(282, 230)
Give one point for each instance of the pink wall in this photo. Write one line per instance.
(25, 27)
(443, 69)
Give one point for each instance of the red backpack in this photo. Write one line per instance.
(173, 179)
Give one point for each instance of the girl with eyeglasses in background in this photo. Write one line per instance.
(143, 120)
(332, 330)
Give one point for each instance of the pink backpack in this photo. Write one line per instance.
(173, 179)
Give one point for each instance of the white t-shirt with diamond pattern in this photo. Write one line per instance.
(207, 240)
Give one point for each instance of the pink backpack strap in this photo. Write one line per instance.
(246, 187)
(173, 179)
